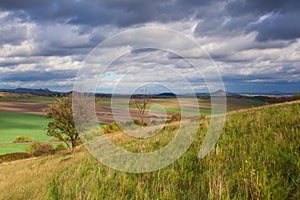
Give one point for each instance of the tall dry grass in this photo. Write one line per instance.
(257, 157)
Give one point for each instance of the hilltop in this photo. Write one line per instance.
(39, 91)
(257, 157)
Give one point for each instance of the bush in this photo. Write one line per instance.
(297, 96)
(13, 156)
(111, 128)
(137, 122)
(34, 146)
(174, 118)
(60, 147)
(40, 149)
(22, 139)
(53, 139)
(44, 149)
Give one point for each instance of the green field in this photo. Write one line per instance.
(256, 157)
(18, 124)
(11, 147)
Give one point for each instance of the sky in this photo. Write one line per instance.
(254, 44)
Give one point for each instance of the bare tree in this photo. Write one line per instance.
(141, 102)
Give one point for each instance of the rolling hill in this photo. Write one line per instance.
(257, 157)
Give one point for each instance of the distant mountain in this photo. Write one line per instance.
(40, 91)
(216, 93)
(32, 91)
(279, 92)
(223, 93)
(164, 95)
(273, 93)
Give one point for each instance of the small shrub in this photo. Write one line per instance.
(40, 149)
(174, 118)
(34, 146)
(44, 149)
(297, 96)
(53, 139)
(111, 128)
(22, 139)
(60, 147)
(137, 122)
(13, 156)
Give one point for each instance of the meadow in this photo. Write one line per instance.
(256, 157)
(15, 124)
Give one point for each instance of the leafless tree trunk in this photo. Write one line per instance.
(141, 102)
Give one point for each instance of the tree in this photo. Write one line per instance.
(141, 102)
(297, 96)
(62, 124)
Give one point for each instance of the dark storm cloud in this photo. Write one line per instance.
(30, 76)
(278, 27)
(244, 7)
(282, 76)
(89, 12)
(16, 4)
(92, 12)
(282, 25)
(124, 13)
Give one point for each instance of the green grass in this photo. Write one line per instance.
(18, 124)
(11, 148)
(180, 111)
(257, 157)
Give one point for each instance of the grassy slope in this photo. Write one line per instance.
(257, 157)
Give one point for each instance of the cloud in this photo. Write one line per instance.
(38, 76)
(275, 20)
(93, 12)
(278, 27)
(254, 42)
(244, 7)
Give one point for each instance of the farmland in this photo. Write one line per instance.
(171, 106)
(15, 124)
(23, 114)
(256, 157)
(23, 97)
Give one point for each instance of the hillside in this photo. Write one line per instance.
(257, 157)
